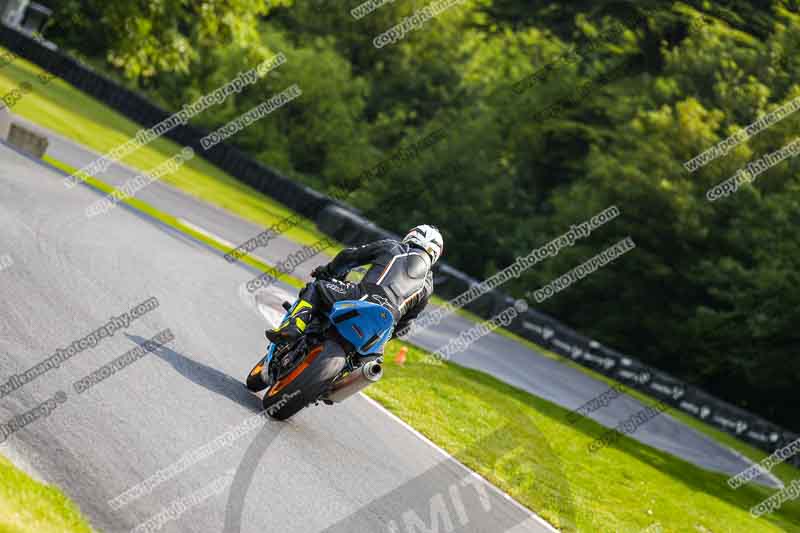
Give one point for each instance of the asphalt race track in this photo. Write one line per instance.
(349, 468)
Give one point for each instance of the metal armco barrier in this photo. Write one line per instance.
(344, 224)
(717, 413)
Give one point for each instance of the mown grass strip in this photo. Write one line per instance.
(544, 463)
(27, 506)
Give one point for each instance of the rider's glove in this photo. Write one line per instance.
(322, 272)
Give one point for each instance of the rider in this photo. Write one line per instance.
(400, 279)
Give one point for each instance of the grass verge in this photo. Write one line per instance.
(785, 472)
(27, 506)
(543, 462)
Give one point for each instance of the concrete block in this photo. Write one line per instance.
(27, 141)
(5, 122)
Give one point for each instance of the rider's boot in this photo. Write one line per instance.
(294, 326)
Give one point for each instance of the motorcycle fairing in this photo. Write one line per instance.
(366, 325)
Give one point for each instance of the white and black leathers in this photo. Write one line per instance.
(399, 278)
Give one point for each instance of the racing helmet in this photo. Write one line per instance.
(428, 238)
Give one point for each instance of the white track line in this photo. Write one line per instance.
(433, 445)
(208, 234)
(768, 475)
(444, 453)
(264, 311)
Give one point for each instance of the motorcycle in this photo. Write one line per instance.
(341, 358)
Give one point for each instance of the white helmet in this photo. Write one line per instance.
(428, 238)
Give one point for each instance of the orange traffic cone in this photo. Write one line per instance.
(400, 358)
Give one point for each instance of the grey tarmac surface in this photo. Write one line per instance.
(351, 467)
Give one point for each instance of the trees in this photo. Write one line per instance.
(143, 39)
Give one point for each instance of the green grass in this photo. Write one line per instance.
(27, 506)
(785, 472)
(543, 461)
(79, 117)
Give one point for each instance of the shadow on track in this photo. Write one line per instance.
(207, 377)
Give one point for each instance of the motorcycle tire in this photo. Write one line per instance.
(310, 379)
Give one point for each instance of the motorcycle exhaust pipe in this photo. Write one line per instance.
(355, 382)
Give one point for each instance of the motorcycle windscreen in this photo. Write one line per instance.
(367, 326)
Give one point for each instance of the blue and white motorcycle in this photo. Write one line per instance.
(341, 358)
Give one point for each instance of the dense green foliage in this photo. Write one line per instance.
(712, 290)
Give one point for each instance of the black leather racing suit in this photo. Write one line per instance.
(399, 279)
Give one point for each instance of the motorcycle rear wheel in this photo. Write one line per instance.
(306, 383)
(259, 377)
